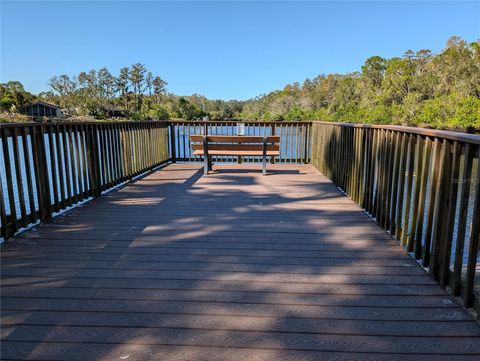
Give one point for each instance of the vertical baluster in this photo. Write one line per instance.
(111, 155)
(416, 193)
(355, 153)
(127, 153)
(71, 138)
(3, 213)
(41, 177)
(366, 154)
(12, 226)
(184, 154)
(173, 157)
(379, 174)
(385, 204)
(369, 170)
(60, 162)
(423, 178)
(76, 135)
(134, 149)
(93, 157)
(438, 234)
(374, 171)
(395, 179)
(53, 164)
(383, 168)
(401, 187)
(431, 204)
(408, 194)
(143, 148)
(473, 245)
(388, 180)
(19, 178)
(131, 149)
(117, 155)
(138, 149)
(360, 165)
(28, 170)
(189, 144)
(462, 217)
(67, 166)
(83, 135)
(297, 150)
(449, 212)
(146, 147)
(177, 140)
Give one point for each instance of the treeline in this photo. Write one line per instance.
(133, 93)
(420, 88)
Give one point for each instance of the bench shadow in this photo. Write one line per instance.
(225, 170)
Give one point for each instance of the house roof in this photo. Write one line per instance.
(44, 104)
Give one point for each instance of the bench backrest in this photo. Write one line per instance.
(236, 139)
(235, 142)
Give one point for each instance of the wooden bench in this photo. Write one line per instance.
(230, 145)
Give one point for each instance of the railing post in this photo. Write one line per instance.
(306, 144)
(205, 155)
(8, 230)
(93, 162)
(41, 177)
(264, 158)
(173, 154)
(272, 158)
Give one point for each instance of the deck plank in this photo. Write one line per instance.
(229, 266)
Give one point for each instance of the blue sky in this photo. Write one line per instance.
(220, 49)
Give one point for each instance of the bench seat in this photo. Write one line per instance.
(270, 153)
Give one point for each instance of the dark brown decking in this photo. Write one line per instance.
(230, 266)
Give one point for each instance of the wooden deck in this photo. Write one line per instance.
(230, 266)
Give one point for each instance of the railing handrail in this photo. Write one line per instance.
(241, 121)
(40, 124)
(445, 134)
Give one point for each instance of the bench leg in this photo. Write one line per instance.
(264, 151)
(205, 165)
(210, 163)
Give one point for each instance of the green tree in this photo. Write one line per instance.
(137, 79)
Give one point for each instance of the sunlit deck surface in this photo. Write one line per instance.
(229, 266)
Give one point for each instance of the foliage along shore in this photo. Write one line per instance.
(418, 89)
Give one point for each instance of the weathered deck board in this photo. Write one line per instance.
(231, 266)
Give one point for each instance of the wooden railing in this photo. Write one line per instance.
(294, 138)
(50, 167)
(421, 185)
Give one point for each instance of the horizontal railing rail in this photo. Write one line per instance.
(47, 168)
(420, 185)
(294, 138)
